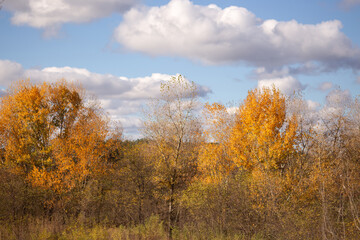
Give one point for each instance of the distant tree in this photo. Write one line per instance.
(173, 129)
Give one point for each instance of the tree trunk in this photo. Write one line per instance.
(171, 212)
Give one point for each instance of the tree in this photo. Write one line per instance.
(138, 171)
(172, 126)
(262, 141)
(50, 134)
(215, 160)
(335, 168)
(263, 135)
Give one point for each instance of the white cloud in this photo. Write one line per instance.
(9, 71)
(287, 85)
(51, 14)
(234, 34)
(121, 97)
(232, 110)
(102, 85)
(324, 86)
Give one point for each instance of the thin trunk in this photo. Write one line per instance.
(141, 200)
(171, 212)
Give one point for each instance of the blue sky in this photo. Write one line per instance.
(121, 50)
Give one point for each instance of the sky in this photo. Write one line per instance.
(122, 50)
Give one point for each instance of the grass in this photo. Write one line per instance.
(152, 229)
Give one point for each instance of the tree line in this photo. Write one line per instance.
(271, 170)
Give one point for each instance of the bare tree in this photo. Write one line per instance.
(173, 129)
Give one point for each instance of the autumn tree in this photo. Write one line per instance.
(173, 129)
(138, 171)
(262, 140)
(52, 135)
(351, 167)
(263, 135)
(215, 161)
(335, 168)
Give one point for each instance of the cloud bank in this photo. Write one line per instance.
(287, 85)
(214, 35)
(121, 97)
(51, 14)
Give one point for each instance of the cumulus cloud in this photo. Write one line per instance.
(288, 84)
(107, 85)
(51, 14)
(233, 34)
(9, 71)
(121, 97)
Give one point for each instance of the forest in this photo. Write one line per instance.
(271, 169)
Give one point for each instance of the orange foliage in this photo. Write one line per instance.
(51, 135)
(263, 136)
(260, 135)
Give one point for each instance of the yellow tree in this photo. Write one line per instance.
(261, 141)
(263, 135)
(215, 160)
(51, 135)
(172, 126)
